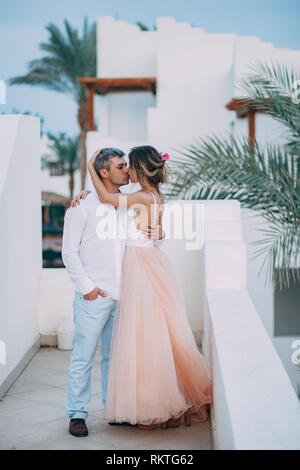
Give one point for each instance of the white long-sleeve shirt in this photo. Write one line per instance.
(91, 251)
(90, 259)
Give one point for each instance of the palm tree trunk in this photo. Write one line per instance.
(82, 147)
(83, 120)
(71, 184)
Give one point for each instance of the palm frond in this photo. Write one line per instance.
(68, 56)
(262, 178)
(270, 88)
(65, 149)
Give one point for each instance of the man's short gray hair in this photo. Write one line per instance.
(104, 157)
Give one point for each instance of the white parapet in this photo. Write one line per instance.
(254, 403)
(20, 241)
(124, 50)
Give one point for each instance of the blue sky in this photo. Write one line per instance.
(22, 27)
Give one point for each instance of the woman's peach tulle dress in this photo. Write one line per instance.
(155, 370)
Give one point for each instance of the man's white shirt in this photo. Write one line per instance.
(93, 245)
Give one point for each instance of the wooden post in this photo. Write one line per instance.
(251, 127)
(91, 107)
(46, 214)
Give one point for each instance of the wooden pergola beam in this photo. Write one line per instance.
(103, 86)
(251, 127)
(242, 106)
(245, 107)
(91, 89)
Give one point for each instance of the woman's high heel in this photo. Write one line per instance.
(174, 423)
(187, 418)
(150, 427)
(146, 427)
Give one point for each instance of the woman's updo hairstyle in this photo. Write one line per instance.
(147, 161)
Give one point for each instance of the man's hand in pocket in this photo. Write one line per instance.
(94, 294)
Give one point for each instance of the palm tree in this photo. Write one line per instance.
(144, 27)
(263, 178)
(68, 56)
(66, 151)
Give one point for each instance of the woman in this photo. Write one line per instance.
(156, 373)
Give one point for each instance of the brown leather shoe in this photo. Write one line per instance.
(77, 427)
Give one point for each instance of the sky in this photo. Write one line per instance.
(22, 28)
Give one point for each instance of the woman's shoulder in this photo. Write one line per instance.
(159, 198)
(145, 196)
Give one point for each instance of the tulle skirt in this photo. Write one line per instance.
(155, 369)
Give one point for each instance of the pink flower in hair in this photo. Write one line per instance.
(165, 156)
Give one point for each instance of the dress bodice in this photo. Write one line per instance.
(135, 236)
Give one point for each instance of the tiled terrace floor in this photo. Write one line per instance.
(32, 415)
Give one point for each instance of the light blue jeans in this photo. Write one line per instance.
(93, 320)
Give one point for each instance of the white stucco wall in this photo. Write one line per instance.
(20, 236)
(194, 81)
(127, 115)
(197, 74)
(248, 49)
(124, 50)
(55, 300)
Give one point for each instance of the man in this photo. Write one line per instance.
(93, 262)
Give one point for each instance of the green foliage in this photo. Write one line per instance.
(270, 87)
(56, 215)
(66, 151)
(265, 178)
(68, 56)
(143, 27)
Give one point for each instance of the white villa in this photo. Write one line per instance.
(165, 87)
